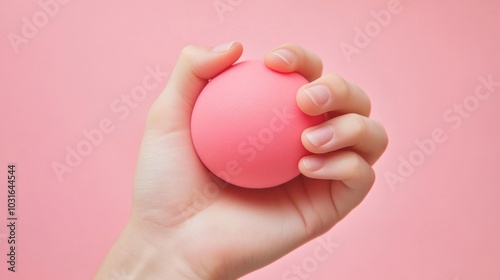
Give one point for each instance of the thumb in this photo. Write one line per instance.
(171, 112)
(167, 159)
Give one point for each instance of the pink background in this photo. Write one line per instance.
(441, 221)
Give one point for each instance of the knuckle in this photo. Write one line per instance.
(368, 106)
(357, 163)
(359, 125)
(373, 177)
(320, 66)
(384, 137)
(340, 86)
(364, 99)
(359, 170)
(188, 52)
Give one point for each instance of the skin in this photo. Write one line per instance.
(177, 231)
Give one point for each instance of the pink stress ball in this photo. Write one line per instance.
(246, 125)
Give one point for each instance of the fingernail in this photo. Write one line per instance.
(313, 164)
(223, 47)
(320, 136)
(286, 55)
(319, 94)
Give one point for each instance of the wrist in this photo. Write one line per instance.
(137, 254)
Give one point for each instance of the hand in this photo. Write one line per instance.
(186, 224)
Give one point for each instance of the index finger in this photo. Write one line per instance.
(294, 58)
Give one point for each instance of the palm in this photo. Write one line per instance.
(267, 223)
(238, 223)
(270, 220)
